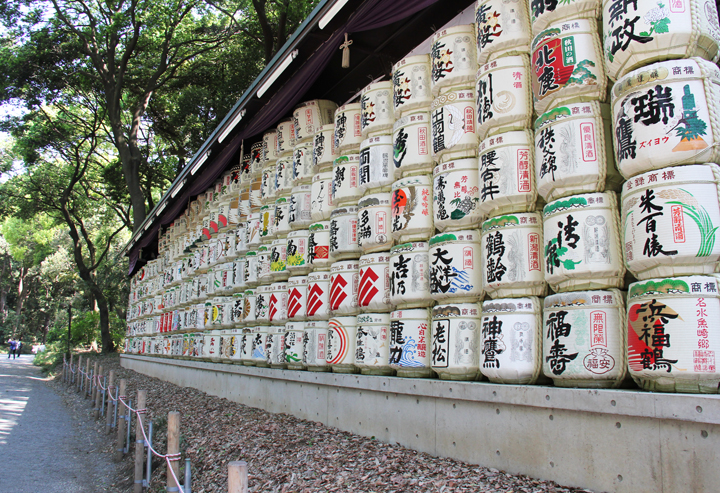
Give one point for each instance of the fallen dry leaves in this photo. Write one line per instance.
(286, 454)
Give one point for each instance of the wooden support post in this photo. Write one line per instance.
(108, 413)
(78, 375)
(238, 477)
(87, 374)
(98, 392)
(173, 447)
(120, 444)
(139, 442)
(70, 375)
(93, 387)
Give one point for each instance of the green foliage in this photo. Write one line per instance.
(49, 359)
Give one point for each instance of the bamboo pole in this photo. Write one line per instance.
(238, 477)
(98, 392)
(109, 414)
(120, 444)
(139, 443)
(173, 447)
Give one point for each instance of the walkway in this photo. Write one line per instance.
(39, 445)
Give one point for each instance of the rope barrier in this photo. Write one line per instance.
(168, 457)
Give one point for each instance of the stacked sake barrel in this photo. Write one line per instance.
(665, 103)
(402, 234)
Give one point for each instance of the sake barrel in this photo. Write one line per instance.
(238, 274)
(582, 243)
(275, 343)
(453, 124)
(511, 247)
(310, 115)
(252, 270)
(567, 65)
(270, 147)
(409, 348)
(670, 217)
(376, 101)
(245, 176)
(294, 335)
(504, 96)
(375, 170)
(348, 128)
(372, 345)
(318, 295)
(673, 334)
(255, 195)
(238, 304)
(257, 159)
(343, 234)
(268, 185)
(319, 245)
(284, 176)
(244, 204)
(573, 151)
(411, 144)
(264, 275)
(259, 347)
(503, 28)
(324, 150)
(410, 275)
(285, 137)
(374, 291)
(456, 341)
(267, 223)
(202, 287)
(321, 196)
(278, 260)
(299, 212)
(315, 346)
(278, 304)
(585, 340)
(411, 209)
(456, 194)
(297, 297)
(344, 285)
(644, 32)
(241, 239)
(507, 172)
(346, 182)
(453, 57)
(254, 230)
(262, 304)
(373, 226)
(246, 343)
(297, 252)
(511, 345)
(666, 115)
(249, 306)
(454, 272)
(340, 353)
(546, 12)
(411, 84)
(282, 217)
(302, 164)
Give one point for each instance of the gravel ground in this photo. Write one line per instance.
(43, 446)
(286, 454)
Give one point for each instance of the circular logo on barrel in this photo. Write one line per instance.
(337, 342)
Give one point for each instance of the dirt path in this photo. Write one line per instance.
(40, 448)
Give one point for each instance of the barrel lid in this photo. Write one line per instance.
(512, 220)
(604, 298)
(705, 286)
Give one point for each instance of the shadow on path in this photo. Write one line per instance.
(41, 445)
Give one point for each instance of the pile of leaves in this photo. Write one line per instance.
(286, 454)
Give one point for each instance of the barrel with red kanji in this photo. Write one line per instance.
(410, 275)
(373, 223)
(374, 291)
(344, 286)
(673, 334)
(410, 343)
(453, 57)
(294, 335)
(315, 345)
(318, 295)
(297, 298)
(278, 303)
(411, 209)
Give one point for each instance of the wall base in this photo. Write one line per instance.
(603, 440)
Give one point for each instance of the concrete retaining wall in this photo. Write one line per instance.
(603, 440)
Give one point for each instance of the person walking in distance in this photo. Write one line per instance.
(18, 345)
(12, 345)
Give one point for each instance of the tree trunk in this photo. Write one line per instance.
(22, 293)
(3, 287)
